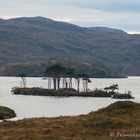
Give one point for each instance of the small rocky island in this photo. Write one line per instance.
(6, 113)
(71, 92)
(60, 81)
(59, 93)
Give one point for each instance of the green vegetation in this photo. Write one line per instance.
(6, 113)
(120, 117)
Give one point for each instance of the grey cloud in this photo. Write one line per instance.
(101, 5)
(107, 5)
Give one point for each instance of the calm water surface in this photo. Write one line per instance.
(36, 106)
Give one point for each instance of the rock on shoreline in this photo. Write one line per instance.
(6, 113)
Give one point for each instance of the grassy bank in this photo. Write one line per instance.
(59, 93)
(105, 124)
(6, 113)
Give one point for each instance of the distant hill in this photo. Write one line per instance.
(38, 69)
(105, 30)
(35, 40)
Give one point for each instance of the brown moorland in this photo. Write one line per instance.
(112, 123)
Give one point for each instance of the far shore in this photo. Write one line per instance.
(41, 76)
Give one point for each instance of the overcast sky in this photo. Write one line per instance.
(121, 14)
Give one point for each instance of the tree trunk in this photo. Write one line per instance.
(70, 83)
(49, 83)
(78, 84)
(24, 82)
(86, 86)
(58, 83)
(54, 82)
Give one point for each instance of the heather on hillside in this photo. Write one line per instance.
(112, 122)
(37, 39)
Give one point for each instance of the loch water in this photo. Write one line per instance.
(42, 106)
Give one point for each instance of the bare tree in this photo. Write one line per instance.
(23, 80)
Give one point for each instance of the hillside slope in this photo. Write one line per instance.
(33, 40)
(38, 69)
(119, 121)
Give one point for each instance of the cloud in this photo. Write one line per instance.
(101, 5)
(108, 5)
